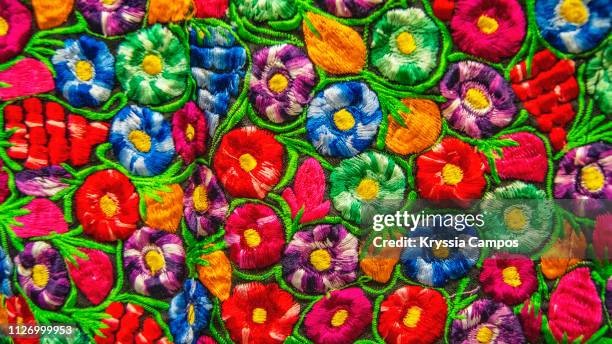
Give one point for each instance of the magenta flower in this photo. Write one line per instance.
(204, 203)
(4, 189)
(508, 278)
(491, 29)
(531, 322)
(189, 131)
(309, 186)
(27, 77)
(15, 28)
(340, 317)
(602, 237)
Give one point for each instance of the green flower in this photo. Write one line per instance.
(405, 45)
(367, 184)
(152, 65)
(262, 10)
(599, 75)
(518, 212)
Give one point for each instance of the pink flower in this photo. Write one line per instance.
(25, 78)
(531, 322)
(189, 132)
(309, 192)
(508, 278)
(211, 8)
(602, 237)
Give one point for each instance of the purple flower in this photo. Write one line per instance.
(585, 175)
(44, 182)
(350, 8)
(281, 81)
(155, 261)
(113, 18)
(204, 203)
(480, 100)
(322, 259)
(486, 321)
(43, 275)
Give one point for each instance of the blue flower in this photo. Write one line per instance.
(189, 312)
(85, 71)
(343, 119)
(574, 25)
(435, 266)
(142, 141)
(6, 270)
(218, 64)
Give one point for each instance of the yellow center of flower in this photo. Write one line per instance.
(109, 2)
(320, 259)
(140, 140)
(574, 11)
(511, 276)
(487, 25)
(440, 252)
(339, 318)
(155, 261)
(452, 174)
(40, 275)
(84, 70)
(189, 132)
(191, 314)
(152, 64)
(367, 189)
(4, 27)
(259, 315)
(344, 120)
(477, 99)
(412, 317)
(515, 218)
(200, 198)
(592, 179)
(278, 83)
(484, 335)
(247, 162)
(405, 43)
(109, 206)
(252, 238)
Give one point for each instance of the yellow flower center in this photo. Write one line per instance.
(84, 70)
(155, 261)
(4, 27)
(247, 162)
(592, 179)
(477, 99)
(440, 252)
(109, 2)
(487, 25)
(140, 140)
(109, 206)
(339, 318)
(484, 335)
(367, 189)
(40, 275)
(574, 11)
(511, 276)
(190, 132)
(259, 315)
(452, 174)
(320, 259)
(200, 198)
(412, 317)
(152, 64)
(191, 314)
(405, 43)
(515, 219)
(344, 120)
(252, 238)
(278, 83)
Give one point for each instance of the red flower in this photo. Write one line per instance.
(412, 314)
(107, 206)
(308, 192)
(260, 314)
(18, 313)
(452, 170)
(123, 326)
(248, 162)
(211, 8)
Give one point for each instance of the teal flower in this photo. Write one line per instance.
(262, 10)
(518, 212)
(405, 45)
(152, 65)
(370, 183)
